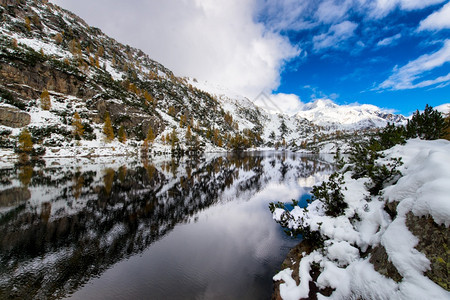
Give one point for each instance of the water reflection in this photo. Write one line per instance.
(69, 222)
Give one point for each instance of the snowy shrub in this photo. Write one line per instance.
(295, 227)
(329, 192)
(363, 159)
(383, 174)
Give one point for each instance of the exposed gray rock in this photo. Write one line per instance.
(383, 265)
(433, 242)
(14, 196)
(14, 117)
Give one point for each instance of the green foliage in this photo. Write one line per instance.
(283, 128)
(40, 133)
(427, 125)
(391, 135)
(382, 174)
(329, 192)
(363, 156)
(339, 160)
(314, 237)
(89, 134)
(23, 54)
(239, 143)
(10, 99)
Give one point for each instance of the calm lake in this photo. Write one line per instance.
(120, 228)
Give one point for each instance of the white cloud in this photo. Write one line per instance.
(335, 35)
(279, 103)
(437, 20)
(286, 14)
(198, 38)
(332, 11)
(288, 103)
(389, 40)
(406, 76)
(381, 8)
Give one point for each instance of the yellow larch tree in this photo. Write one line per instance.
(108, 129)
(78, 128)
(46, 103)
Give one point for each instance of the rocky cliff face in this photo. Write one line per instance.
(13, 117)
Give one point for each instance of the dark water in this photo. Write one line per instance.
(160, 229)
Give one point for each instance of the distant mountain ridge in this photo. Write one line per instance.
(325, 112)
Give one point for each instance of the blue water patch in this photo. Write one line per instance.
(302, 202)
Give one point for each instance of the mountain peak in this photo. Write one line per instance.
(320, 104)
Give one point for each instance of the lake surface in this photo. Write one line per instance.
(120, 228)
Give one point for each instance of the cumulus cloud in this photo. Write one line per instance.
(389, 40)
(279, 103)
(288, 103)
(407, 76)
(437, 20)
(337, 34)
(198, 38)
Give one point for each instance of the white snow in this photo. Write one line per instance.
(423, 190)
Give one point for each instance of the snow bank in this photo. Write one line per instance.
(423, 189)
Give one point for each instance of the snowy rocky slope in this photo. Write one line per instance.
(44, 47)
(325, 113)
(390, 246)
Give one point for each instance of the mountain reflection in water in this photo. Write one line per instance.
(201, 227)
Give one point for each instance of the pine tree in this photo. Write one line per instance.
(427, 125)
(446, 131)
(45, 100)
(107, 128)
(283, 128)
(122, 134)
(78, 128)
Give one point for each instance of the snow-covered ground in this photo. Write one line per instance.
(423, 190)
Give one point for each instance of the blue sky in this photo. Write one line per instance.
(363, 61)
(391, 53)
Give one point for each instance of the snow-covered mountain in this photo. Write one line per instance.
(324, 112)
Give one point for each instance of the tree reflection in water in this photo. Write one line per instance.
(64, 224)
